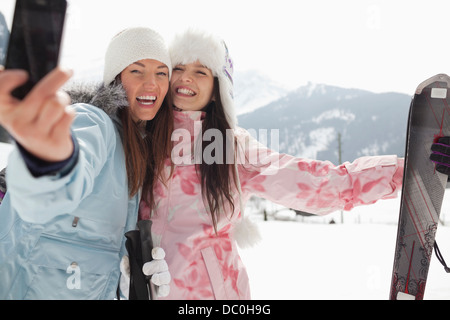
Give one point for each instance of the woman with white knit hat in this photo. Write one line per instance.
(73, 193)
(198, 216)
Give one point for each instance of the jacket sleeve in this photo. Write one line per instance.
(312, 186)
(39, 167)
(39, 199)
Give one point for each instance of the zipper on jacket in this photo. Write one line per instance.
(80, 243)
(75, 222)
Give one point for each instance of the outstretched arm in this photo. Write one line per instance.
(313, 186)
(40, 122)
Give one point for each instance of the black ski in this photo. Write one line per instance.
(423, 189)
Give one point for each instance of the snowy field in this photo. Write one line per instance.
(317, 260)
(309, 258)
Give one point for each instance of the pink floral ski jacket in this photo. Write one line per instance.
(205, 265)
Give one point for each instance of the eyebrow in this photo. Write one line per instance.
(162, 66)
(199, 65)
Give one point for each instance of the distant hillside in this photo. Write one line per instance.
(252, 90)
(310, 118)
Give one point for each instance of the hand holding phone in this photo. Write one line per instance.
(35, 39)
(38, 119)
(40, 122)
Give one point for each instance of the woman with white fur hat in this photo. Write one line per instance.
(198, 216)
(74, 191)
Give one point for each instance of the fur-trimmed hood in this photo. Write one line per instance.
(108, 98)
(212, 52)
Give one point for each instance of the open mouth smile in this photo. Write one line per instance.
(185, 92)
(146, 100)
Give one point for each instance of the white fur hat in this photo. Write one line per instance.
(212, 52)
(131, 45)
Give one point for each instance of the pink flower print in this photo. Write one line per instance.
(189, 180)
(317, 169)
(306, 191)
(232, 273)
(319, 197)
(191, 282)
(220, 242)
(371, 184)
(359, 190)
(255, 184)
(195, 286)
(185, 251)
(320, 169)
(347, 197)
(188, 187)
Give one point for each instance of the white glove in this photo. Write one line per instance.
(157, 268)
(124, 283)
(159, 271)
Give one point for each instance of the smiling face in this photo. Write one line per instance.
(192, 86)
(146, 83)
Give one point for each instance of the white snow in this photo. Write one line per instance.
(335, 114)
(308, 258)
(312, 259)
(253, 89)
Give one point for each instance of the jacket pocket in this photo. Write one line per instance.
(215, 274)
(64, 270)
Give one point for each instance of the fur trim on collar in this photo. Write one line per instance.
(108, 98)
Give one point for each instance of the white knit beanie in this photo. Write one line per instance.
(212, 52)
(132, 45)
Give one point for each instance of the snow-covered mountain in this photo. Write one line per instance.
(310, 118)
(252, 90)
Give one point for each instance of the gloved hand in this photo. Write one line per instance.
(157, 269)
(441, 155)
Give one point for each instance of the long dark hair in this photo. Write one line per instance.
(218, 180)
(145, 152)
(159, 133)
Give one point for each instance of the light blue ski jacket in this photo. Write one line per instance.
(62, 237)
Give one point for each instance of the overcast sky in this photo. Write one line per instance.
(376, 45)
